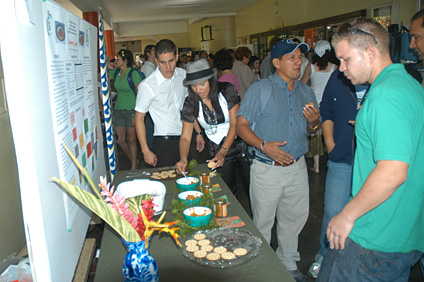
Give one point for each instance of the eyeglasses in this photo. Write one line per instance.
(347, 28)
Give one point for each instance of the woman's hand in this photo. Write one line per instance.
(181, 166)
(200, 143)
(219, 159)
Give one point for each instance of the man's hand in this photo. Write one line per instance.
(338, 230)
(311, 113)
(181, 166)
(272, 150)
(150, 158)
(200, 143)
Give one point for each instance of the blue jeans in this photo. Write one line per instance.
(355, 263)
(338, 187)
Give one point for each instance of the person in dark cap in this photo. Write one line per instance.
(214, 105)
(274, 118)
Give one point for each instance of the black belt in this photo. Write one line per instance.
(271, 162)
(168, 137)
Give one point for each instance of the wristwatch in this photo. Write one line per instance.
(315, 127)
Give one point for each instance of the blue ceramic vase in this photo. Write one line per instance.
(139, 265)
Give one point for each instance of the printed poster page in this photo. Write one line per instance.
(72, 94)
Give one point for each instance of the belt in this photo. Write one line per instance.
(168, 137)
(270, 162)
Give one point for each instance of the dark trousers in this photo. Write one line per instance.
(149, 130)
(229, 173)
(167, 151)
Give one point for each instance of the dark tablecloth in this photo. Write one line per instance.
(173, 266)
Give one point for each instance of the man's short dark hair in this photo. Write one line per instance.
(296, 40)
(418, 15)
(148, 49)
(165, 46)
(223, 60)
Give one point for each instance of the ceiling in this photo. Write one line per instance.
(130, 18)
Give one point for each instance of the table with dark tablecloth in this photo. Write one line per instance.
(173, 266)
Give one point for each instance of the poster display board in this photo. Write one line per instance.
(71, 86)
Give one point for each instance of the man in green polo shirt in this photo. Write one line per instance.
(379, 234)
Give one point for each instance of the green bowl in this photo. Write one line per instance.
(197, 221)
(184, 186)
(190, 203)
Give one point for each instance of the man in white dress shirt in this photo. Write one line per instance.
(162, 94)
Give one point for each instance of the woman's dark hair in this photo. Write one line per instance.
(242, 52)
(223, 60)
(126, 55)
(253, 59)
(213, 95)
(322, 62)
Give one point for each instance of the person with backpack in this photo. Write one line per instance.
(126, 82)
(274, 117)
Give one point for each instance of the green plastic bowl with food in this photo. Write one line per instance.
(187, 183)
(197, 216)
(190, 198)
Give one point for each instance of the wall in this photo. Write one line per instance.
(223, 33)
(12, 235)
(260, 17)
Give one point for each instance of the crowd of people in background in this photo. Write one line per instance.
(348, 102)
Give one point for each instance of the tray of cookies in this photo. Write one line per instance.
(165, 174)
(221, 248)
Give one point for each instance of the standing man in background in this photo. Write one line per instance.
(149, 66)
(379, 233)
(162, 94)
(276, 127)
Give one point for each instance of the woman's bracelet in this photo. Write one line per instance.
(183, 160)
(225, 149)
(199, 133)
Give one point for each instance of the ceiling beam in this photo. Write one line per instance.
(171, 18)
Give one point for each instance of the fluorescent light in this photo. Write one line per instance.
(183, 5)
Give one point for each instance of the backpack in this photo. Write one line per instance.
(399, 45)
(130, 79)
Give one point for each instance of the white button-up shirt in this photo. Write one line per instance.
(163, 99)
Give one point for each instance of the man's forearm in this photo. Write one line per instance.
(328, 133)
(380, 185)
(140, 128)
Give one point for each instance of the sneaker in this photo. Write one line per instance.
(298, 276)
(314, 269)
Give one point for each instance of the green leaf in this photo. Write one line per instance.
(192, 165)
(103, 210)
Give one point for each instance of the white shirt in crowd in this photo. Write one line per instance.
(163, 99)
(148, 68)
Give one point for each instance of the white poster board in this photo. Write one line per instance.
(51, 90)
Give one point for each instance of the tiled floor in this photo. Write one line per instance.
(309, 237)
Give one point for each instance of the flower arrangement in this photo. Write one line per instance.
(131, 218)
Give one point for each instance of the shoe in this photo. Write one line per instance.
(298, 276)
(314, 269)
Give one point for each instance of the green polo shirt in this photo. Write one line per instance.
(390, 126)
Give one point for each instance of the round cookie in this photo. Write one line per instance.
(164, 174)
(204, 242)
(228, 255)
(157, 177)
(156, 174)
(240, 252)
(192, 248)
(191, 242)
(207, 248)
(200, 254)
(220, 250)
(213, 256)
(199, 236)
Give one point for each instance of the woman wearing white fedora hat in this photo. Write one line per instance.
(215, 105)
